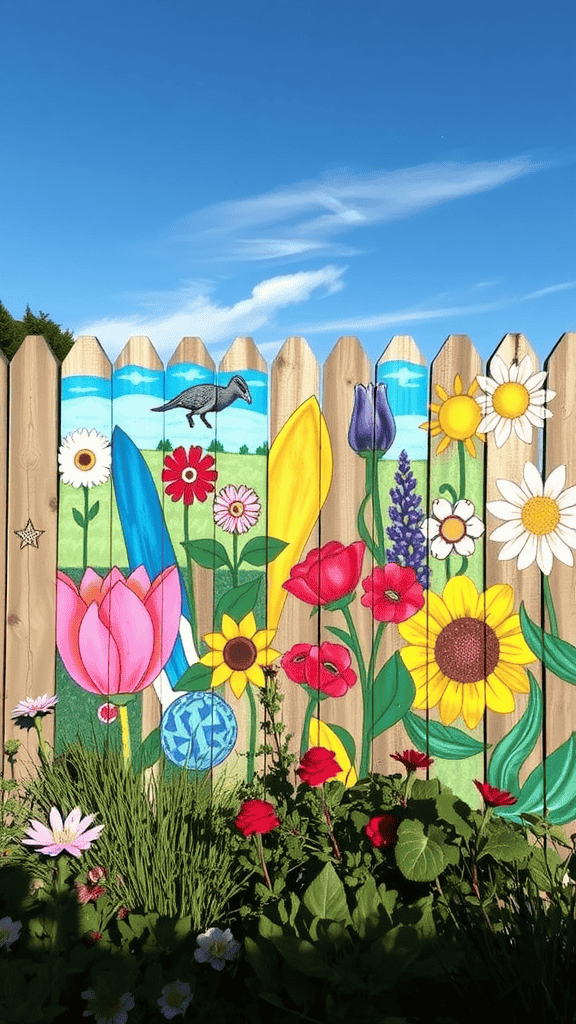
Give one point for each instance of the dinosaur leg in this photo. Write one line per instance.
(190, 418)
(204, 420)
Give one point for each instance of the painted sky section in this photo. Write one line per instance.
(86, 403)
(408, 399)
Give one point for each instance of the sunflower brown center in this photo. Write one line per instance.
(392, 595)
(452, 529)
(236, 508)
(84, 459)
(189, 475)
(240, 653)
(467, 650)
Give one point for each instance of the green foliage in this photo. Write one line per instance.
(556, 654)
(215, 446)
(13, 332)
(510, 753)
(243, 450)
(262, 449)
(164, 446)
(443, 741)
(394, 692)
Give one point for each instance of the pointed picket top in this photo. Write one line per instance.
(242, 355)
(87, 356)
(402, 346)
(294, 377)
(139, 351)
(192, 350)
(33, 347)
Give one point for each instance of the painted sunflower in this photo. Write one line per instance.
(458, 417)
(466, 652)
(239, 652)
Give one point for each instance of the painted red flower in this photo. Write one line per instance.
(318, 765)
(190, 476)
(256, 816)
(327, 573)
(325, 668)
(382, 830)
(413, 759)
(393, 592)
(494, 797)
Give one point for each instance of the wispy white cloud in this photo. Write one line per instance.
(549, 291)
(305, 219)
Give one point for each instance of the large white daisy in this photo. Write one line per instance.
(452, 528)
(540, 519)
(513, 399)
(85, 458)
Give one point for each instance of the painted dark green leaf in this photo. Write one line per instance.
(78, 518)
(419, 854)
(208, 553)
(237, 602)
(444, 741)
(325, 897)
(346, 740)
(340, 633)
(94, 510)
(393, 693)
(261, 550)
(148, 752)
(557, 655)
(560, 788)
(197, 677)
(510, 753)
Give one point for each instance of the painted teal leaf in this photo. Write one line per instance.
(237, 602)
(78, 518)
(208, 553)
(444, 741)
(557, 655)
(341, 634)
(346, 740)
(393, 693)
(94, 510)
(261, 550)
(560, 767)
(510, 753)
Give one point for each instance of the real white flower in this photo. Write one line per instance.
(540, 519)
(85, 457)
(175, 999)
(513, 400)
(32, 706)
(9, 931)
(216, 947)
(108, 1011)
(452, 528)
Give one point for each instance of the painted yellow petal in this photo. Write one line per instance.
(267, 656)
(509, 627)
(215, 640)
(320, 735)
(434, 407)
(515, 650)
(473, 387)
(420, 629)
(473, 703)
(499, 697)
(470, 447)
(220, 674)
(431, 691)
(437, 611)
(212, 659)
(460, 597)
(256, 675)
(248, 627)
(444, 443)
(263, 638)
(450, 705)
(513, 676)
(416, 657)
(441, 392)
(238, 682)
(458, 386)
(229, 627)
(300, 469)
(495, 605)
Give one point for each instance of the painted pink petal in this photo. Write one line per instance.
(110, 581)
(90, 586)
(163, 605)
(99, 654)
(70, 614)
(124, 615)
(139, 582)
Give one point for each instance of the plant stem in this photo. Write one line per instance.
(550, 606)
(235, 559)
(329, 823)
(126, 745)
(377, 513)
(363, 530)
(262, 861)
(85, 539)
(462, 468)
(252, 747)
(190, 587)
(357, 650)
(312, 705)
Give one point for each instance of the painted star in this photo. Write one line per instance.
(28, 536)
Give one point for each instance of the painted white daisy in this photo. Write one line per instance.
(9, 931)
(85, 457)
(174, 999)
(513, 399)
(216, 947)
(32, 706)
(452, 528)
(540, 519)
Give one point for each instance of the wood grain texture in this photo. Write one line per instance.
(242, 355)
(507, 463)
(31, 567)
(87, 357)
(191, 350)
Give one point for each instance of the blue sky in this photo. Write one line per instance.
(282, 167)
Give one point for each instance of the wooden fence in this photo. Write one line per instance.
(102, 484)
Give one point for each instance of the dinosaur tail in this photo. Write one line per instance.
(172, 404)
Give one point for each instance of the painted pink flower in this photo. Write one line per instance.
(325, 668)
(115, 635)
(70, 835)
(236, 509)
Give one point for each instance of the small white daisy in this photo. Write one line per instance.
(85, 457)
(452, 528)
(9, 931)
(216, 947)
(108, 1011)
(32, 706)
(540, 519)
(513, 399)
(174, 999)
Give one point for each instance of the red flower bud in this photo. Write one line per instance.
(382, 830)
(318, 765)
(413, 759)
(256, 816)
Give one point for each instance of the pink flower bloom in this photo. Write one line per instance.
(115, 635)
(236, 509)
(107, 713)
(86, 893)
(95, 874)
(70, 835)
(32, 706)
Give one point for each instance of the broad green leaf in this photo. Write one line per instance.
(261, 550)
(197, 677)
(393, 693)
(237, 602)
(444, 741)
(543, 867)
(510, 753)
(560, 788)
(506, 846)
(208, 553)
(346, 740)
(78, 518)
(557, 655)
(148, 752)
(340, 633)
(419, 854)
(94, 510)
(325, 897)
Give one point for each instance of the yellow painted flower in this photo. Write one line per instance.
(238, 653)
(320, 735)
(458, 417)
(466, 652)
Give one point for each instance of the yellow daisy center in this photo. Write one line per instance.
(467, 650)
(540, 515)
(459, 417)
(236, 509)
(452, 529)
(511, 400)
(84, 459)
(65, 835)
(240, 653)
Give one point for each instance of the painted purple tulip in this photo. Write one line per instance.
(372, 427)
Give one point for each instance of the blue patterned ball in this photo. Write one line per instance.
(198, 730)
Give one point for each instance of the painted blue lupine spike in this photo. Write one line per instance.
(145, 535)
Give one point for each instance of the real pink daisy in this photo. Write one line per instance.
(236, 509)
(32, 706)
(70, 835)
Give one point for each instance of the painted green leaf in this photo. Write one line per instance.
(148, 752)
(261, 550)
(340, 633)
(78, 518)
(557, 655)
(208, 553)
(346, 740)
(510, 753)
(393, 693)
(444, 741)
(197, 677)
(237, 602)
(419, 854)
(325, 897)
(94, 510)
(560, 788)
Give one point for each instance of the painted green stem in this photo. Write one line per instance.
(312, 705)
(85, 539)
(377, 523)
(462, 469)
(252, 747)
(550, 606)
(357, 650)
(190, 587)
(235, 559)
(363, 530)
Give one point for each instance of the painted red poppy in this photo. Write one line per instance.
(393, 592)
(325, 668)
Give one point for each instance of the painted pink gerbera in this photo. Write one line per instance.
(236, 509)
(32, 706)
(70, 835)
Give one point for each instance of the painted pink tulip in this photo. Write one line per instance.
(115, 635)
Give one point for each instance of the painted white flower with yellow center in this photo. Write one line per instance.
(85, 458)
(513, 400)
(540, 519)
(452, 528)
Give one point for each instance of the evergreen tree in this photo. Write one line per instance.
(13, 332)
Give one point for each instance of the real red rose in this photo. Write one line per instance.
(317, 765)
(327, 573)
(494, 797)
(382, 830)
(256, 816)
(393, 593)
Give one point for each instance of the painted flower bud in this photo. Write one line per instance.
(372, 426)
